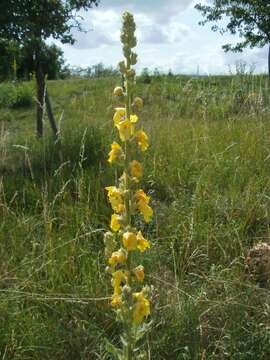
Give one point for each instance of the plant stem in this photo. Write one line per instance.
(129, 347)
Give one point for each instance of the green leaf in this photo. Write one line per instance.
(111, 349)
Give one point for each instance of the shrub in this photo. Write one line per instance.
(16, 95)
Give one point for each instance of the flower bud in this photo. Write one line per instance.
(108, 236)
(126, 290)
(131, 73)
(122, 67)
(133, 58)
(138, 103)
(126, 51)
(146, 290)
(118, 91)
(109, 241)
(139, 273)
(119, 316)
(133, 42)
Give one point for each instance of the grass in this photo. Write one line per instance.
(208, 174)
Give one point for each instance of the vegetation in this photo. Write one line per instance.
(128, 200)
(17, 63)
(97, 70)
(31, 23)
(207, 170)
(249, 18)
(15, 95)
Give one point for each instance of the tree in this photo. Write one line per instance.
(52, 62)
(16, 62)
(31, 22)
(8, 57)
(249, 18)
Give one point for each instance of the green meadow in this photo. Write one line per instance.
(207, 171)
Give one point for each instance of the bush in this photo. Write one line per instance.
(16, 95)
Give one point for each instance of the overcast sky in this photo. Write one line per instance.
(169, 37)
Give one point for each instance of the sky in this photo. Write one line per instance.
(169, 38)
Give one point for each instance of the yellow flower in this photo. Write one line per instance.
(147, 213)
(115, 153)
(118, 257)
(115, 225)
(139, 273)
(142, 140)
(119, 277)
(126, 129)
(133, 118)
(141, 197)
(115, 198)
(141, 308)
(130, 240)
(119, 115)
(142, 243)
(142, 201)
(116, 300)
(136, 169)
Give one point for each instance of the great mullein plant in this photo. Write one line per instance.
(124, 243)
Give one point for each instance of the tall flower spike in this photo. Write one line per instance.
(127, 200)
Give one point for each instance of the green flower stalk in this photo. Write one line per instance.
(128, 201)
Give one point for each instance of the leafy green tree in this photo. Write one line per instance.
(9, 53)
(52, 62)
(16, 62)
(249, 18)
(31, 22)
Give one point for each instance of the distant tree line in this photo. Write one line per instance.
(95, 71)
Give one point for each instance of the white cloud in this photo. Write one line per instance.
(159, 9)
(169, 37)
(101, 28)
(177, 32)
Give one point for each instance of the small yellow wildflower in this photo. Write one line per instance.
(142, 243)
(141, 196)
(126, 129)
(119, 115)
(119, 277)
(116, 152)
(139, 273)
(147, 213)
(115, 224)
(136, 169)
(130, 240)
(133, 119)
(116, 300)
(141, 308)
(142, 140)
(142, 201)
(118, 257)
(115, 198)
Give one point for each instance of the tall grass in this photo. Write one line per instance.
(208, 173)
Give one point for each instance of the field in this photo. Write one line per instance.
(207, 171)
